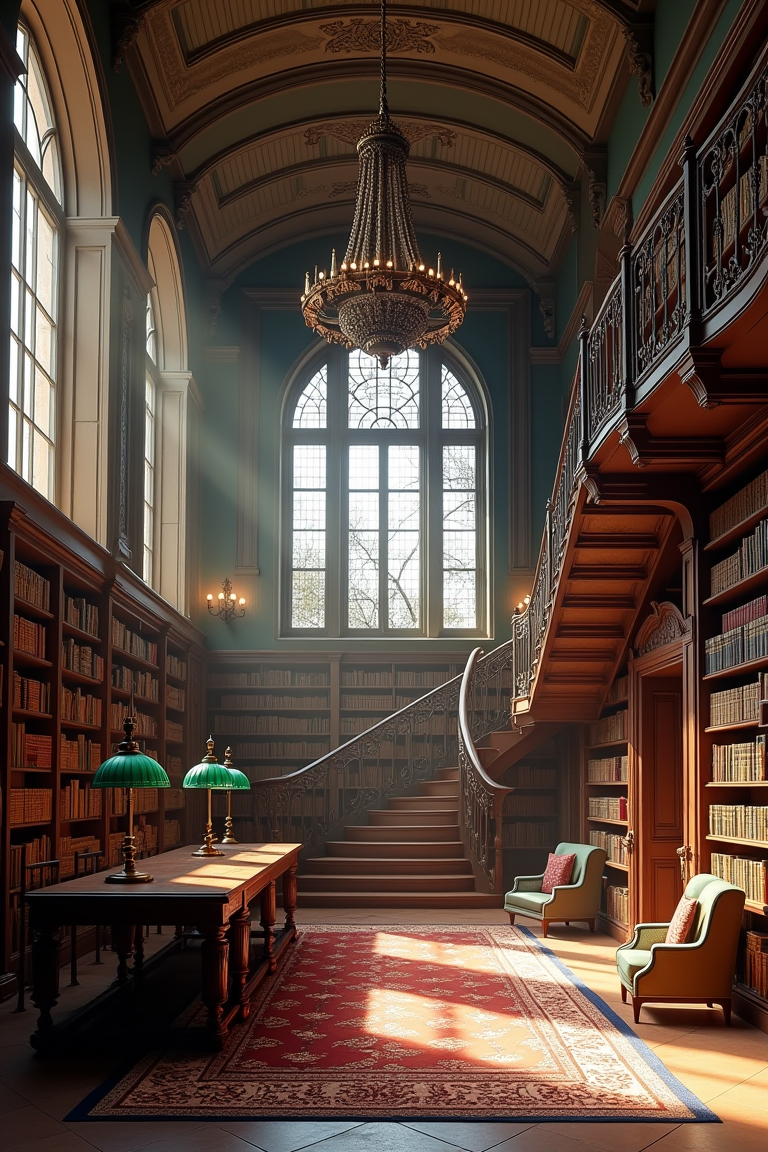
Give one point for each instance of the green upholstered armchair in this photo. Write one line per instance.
(578, 900)
(700, 970)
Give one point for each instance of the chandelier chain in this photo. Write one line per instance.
(383, 105)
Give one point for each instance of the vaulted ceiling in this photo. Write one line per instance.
(257, 106)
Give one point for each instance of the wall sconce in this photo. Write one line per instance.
(520, 608)
(226, 606)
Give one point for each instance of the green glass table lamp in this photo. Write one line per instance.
(129, 768)
(239, 783)
(208, 774)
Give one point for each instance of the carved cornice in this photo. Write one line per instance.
(645, 449)
(712, 385)
(639, 39)
(665, 625)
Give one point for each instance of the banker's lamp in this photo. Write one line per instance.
(239, 783)
(129, 768)
(208, 774)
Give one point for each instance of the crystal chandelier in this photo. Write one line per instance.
(383, 298)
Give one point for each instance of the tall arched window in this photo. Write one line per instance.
(38, 222)
(150, 401)
(384, 498)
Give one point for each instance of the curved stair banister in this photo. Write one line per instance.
(481, 800)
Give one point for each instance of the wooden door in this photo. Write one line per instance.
(659, 796)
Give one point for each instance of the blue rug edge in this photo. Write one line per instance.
(702, 1114)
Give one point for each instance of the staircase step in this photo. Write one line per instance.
(447, 774)
(448, 900)
(404, 849)
(420, 816)
(391, 865)
(420, 803)
(421, 832)
(384, 883)
(439, 788)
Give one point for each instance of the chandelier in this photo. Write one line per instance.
(383, 298)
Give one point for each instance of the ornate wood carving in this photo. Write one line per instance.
(640, 56)
(644, 448)
(665, 625)
(359, 35)
(350, 131)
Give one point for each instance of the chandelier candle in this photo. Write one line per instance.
(383, 298)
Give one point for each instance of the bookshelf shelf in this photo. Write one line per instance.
(79, 633)
(31, 714)
(731, 727)
(28, 660)
(606, 744)
(601, 820)
(78, 724)
(736, 531)
(119, 654)
(30, 609)
(615, 864)
(739, 669)
(757, 844)
(79, 678)
(740, 588)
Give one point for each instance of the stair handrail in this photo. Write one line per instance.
(481, 800)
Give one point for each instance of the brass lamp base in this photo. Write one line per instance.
(128, 878)
(208, 850)
(129, 875)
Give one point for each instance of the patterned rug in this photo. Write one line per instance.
(405, 1022)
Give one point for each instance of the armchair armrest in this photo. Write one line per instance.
(646, 935)
(527, 883)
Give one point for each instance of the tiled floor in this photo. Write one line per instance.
(726, 1068)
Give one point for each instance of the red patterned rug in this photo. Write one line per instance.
(404, 1022)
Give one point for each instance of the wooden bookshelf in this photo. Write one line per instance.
(732, 744)
(533, 821)
(67, 592)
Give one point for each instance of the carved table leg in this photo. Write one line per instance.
(138, 949)
(122, 943)
(215, 961)
(46, 946)
(239, 957)
(268, 917)
(289, 897)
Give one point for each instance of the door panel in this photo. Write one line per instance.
(660, 796)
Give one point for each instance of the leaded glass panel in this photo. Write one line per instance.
(312, 406)
(363, 537)
(459, 536)
(383, 397)
(456, 404)
(308, 536)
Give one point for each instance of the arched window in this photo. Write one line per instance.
(384, 497)
(150, 401)
(38, 221)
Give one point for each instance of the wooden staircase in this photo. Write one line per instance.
(408, 855)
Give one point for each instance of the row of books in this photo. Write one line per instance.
(357, 701)
(145, 725)
(744, 613)
(176, 667)
(747, 642)
(29, 637)
(269, 678)
(608, 807)
(426, 678)
(612, 844)
(171, 834)
(739, 763)
(174, 798)
(80, 707)
(144, 841)
(756, 963)
(739, 822)
(293, 725)
(619, 690)
(361, 678)
(80, 614)
(176, 697)
(133, 642)
(543, 805)
(518, 834)
(142, 683)
(31, 586)
(81, 658)
(617, 903)
(746, 873)
(29, 750)
(79, 755)
(69, 845)
(242, 804)
(608, 770)
(30, 805)
(747, 502)
(303, 702)
(751, 557)
(531, 776)
(174, 731)
(38, 850)
(32, 695)
(733, 705)
(79, 800)
(609, 728)
(144, 800)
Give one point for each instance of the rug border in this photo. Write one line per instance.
(701, 1114)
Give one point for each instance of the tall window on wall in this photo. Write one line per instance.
(37, 224)
(150, 401)
(384, 497)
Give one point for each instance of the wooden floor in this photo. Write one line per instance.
(726, 1068)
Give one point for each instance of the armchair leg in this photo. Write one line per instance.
(726, 1007)
(544, 927)
(623, 994)
(637, 1004)
(511, 917)
(591, 923)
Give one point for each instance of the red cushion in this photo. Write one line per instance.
(558, 871)
(682, 921)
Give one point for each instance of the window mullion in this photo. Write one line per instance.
(336, 499)
(384, 536)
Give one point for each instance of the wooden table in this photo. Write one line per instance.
(212, 894)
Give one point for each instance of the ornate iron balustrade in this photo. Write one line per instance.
(733, 182)
(659, 283)
(481, 800)
(605, 374)
(391, 758)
